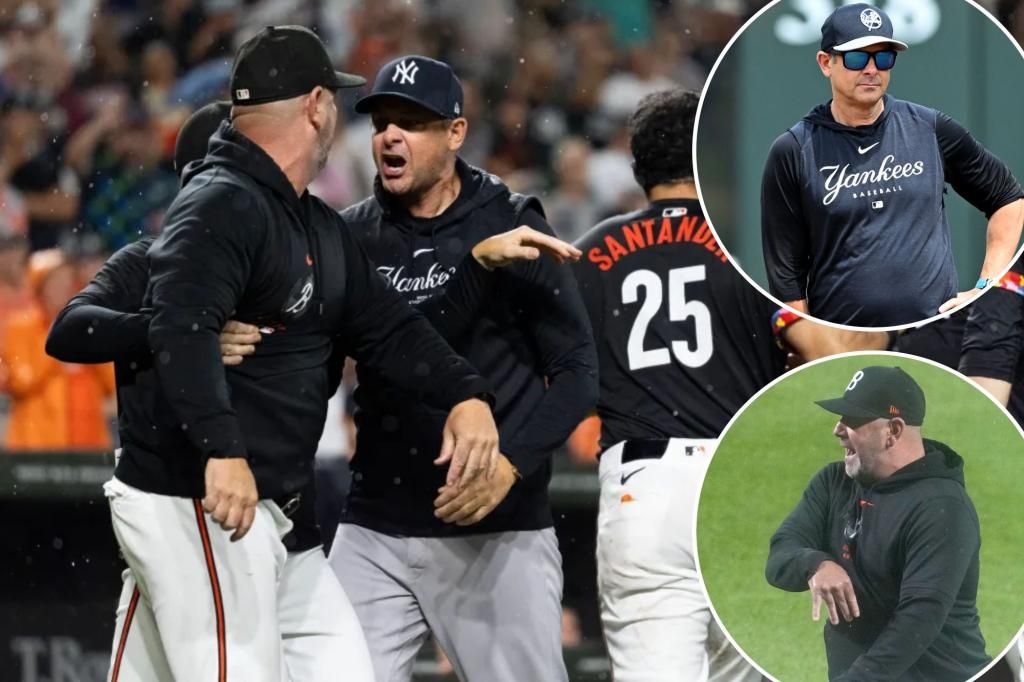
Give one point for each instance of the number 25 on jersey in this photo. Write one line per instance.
(691, 354)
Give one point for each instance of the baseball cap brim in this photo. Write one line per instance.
(845, 408)
(365, 104)
(347, 80)
(864, 41)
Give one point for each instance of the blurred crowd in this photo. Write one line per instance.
(92, 94)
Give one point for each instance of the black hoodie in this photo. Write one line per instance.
(853, 219)
(910, 545)
(239, 242)
(530, 336)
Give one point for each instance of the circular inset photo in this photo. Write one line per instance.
(859, 521)
(863, 163)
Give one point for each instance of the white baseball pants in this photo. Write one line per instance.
(196, 606)
(657, 624)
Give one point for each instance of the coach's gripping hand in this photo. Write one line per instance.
(522, 243)
(474, 502)
(959, 300)
(469, 442)
(231, 494)
(831, 584)
(237, 340)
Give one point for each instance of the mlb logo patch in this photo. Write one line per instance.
(877, 204)
(242, 93)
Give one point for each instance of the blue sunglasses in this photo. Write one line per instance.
(855, 60)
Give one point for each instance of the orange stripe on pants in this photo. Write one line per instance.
(124, 634)
(218, 603)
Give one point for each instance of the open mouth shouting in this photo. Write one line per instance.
(392, 165)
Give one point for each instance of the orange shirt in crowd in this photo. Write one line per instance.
(11, 301)
(54, 405)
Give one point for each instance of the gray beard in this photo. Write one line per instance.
(323, 152)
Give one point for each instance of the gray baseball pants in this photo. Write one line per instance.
(493, 601)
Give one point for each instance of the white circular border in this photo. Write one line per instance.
(750, 401)
(725, 250)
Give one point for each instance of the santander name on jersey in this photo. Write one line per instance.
(674, 226)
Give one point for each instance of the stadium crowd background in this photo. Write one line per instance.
(92, 94)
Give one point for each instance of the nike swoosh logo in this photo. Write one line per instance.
(631, 474)
(419, 251)
(864, 150)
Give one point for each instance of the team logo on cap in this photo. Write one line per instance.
(871, 19)
(855, 380)
(405, 72)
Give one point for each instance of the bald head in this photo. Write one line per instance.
(296, 132)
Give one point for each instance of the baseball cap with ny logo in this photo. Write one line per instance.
(424, 81)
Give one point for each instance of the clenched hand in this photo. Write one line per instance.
(469, 442)
(475, 501)
(522, 243)
(231, 494)
(831, 584)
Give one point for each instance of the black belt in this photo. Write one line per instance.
(643, 448)
(289, 503)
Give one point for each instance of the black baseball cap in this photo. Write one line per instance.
(281, 62)
(880, 393)
(852, 27)
(194, 136)
(425, 81)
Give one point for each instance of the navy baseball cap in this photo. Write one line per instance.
(422, 80)
(852, 27)
(281, 62)
(880, 393)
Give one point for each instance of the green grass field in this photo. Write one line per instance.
(766, 459)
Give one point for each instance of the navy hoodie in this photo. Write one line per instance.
(910, 545)
(524, 327)
(853, 219)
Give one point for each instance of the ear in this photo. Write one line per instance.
(896, 428)
(314, 106)
(457, 134)
(825, 63)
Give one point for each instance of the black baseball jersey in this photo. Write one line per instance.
(993, 343)
(683, 340)
(939, 340)
(853, 218)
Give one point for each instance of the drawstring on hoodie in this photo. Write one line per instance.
(313, 245)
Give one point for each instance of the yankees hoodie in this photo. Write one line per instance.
(853, 219)
(910, 545)
(523, 327)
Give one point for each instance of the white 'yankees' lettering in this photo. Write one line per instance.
(837, 178)
(436, 276)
